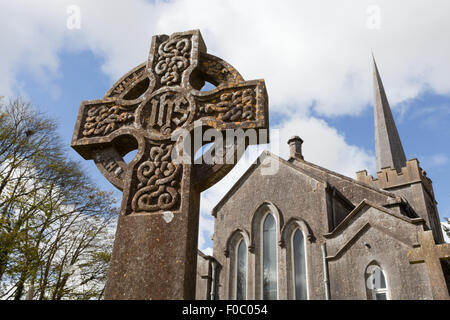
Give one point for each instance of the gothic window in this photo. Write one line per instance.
(376, 283)
(241, 271)
(269, 258)
(299, 265)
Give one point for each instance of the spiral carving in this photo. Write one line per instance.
(158, 187)
(154, 102)
(103, 119)
(233, 106)
(173, 59)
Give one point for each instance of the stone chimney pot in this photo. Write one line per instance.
(295, 146)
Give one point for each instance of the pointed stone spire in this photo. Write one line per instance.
(388, 147)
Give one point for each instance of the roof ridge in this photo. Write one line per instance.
(251, 168)
(361, 205)
(379, 190)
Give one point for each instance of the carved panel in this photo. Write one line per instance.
(166, 111)
(172, 58)
(159, 181)
(104, 118)
(232, 105)
(145, 107)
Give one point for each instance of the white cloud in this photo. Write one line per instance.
(312, 55)
(324, 145)
(434, 161)
(308, 52)
(29, 41)
(439, 159)
(208, 251)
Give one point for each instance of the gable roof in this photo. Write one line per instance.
(340, 176)
(294, 163)
(250, 170)
(338, 231)
(363, 204)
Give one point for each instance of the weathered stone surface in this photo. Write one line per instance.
(154, 254)
(207, 275)
(432, 254)
(388, 146)
(372, 234)
(294, 197)
(349, 226)
(306, 196)
(412, 184)
(152, 258)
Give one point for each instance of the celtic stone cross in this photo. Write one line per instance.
(155, 248)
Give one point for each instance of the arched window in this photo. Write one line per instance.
(241, 271)
(376, 283)
(299, 265)
(269, 258)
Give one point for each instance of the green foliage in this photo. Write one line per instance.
(55, 241)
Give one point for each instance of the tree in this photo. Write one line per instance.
(446, 228)
(56, 226)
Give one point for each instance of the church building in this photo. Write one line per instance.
(307, 232)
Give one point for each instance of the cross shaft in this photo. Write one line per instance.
(155, 258)
(432, 254)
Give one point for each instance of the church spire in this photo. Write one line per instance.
(388, 147)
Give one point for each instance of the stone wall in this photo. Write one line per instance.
(374, 236)
(289, 195)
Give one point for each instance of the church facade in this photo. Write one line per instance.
(310, 233)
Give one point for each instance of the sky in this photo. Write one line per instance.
(315, 57)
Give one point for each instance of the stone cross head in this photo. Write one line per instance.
(146, 107)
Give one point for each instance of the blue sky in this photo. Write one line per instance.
(316, 62)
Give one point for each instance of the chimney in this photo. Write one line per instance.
(295, 146)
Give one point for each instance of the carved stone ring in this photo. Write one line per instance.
(147, 105)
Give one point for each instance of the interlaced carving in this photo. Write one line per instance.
(173, 59)
(158, 188)
(218, 71)
(149, 104)
(233, 106)
(104, 119)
